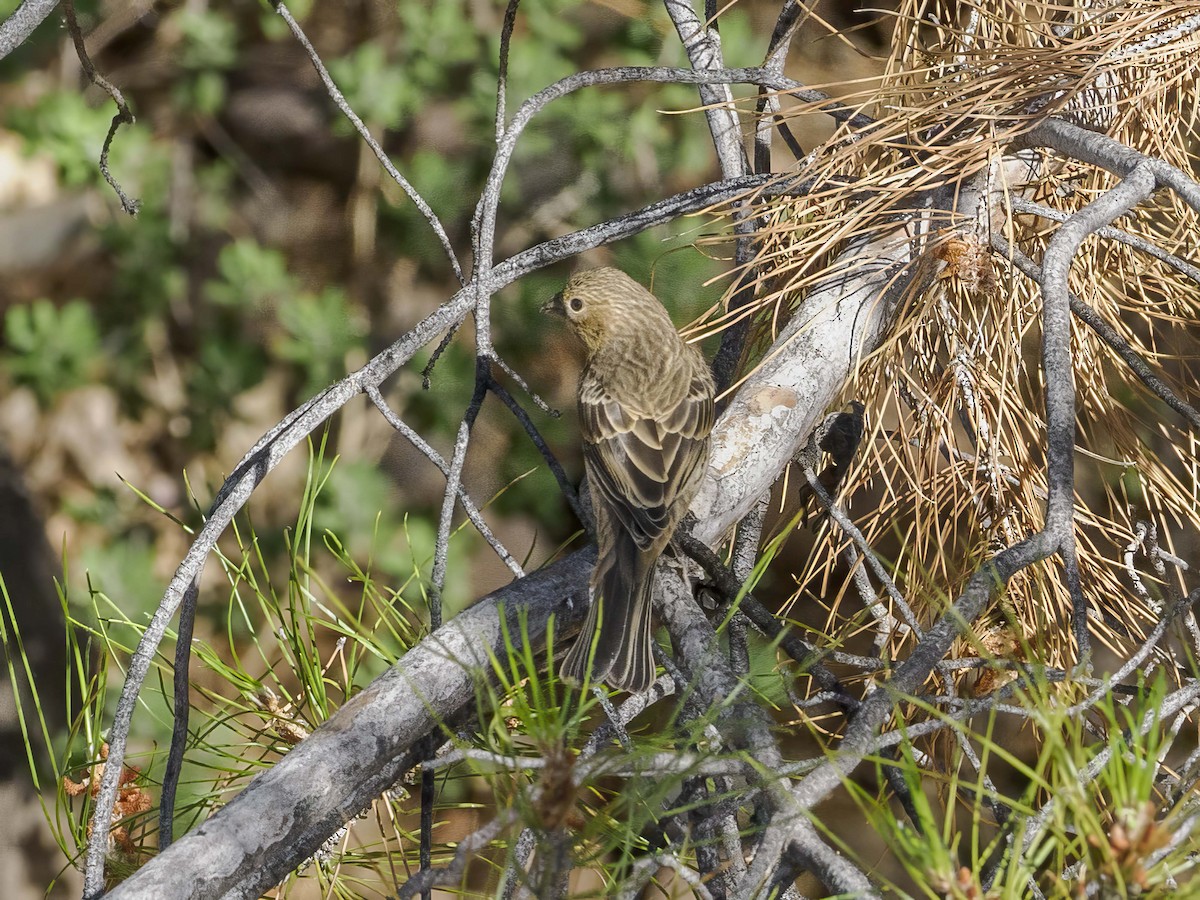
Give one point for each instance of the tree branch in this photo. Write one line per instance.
(16, 29)
(738, 474)
(270, 449)
(288, 811)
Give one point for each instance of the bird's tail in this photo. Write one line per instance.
(621, 608)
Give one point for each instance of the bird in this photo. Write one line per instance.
(646, 411)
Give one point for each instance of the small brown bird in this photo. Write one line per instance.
(645, 412)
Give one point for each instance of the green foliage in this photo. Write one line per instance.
(209, 47)
(209, 39)
(251, 276)
(51, 349)
(312, 331)
(64, 127)
(432, 42)
(126, 569)
(377, 91)
(1094, 809)
(434, 34)
(226, 367)
(317, 331)
(291, 647)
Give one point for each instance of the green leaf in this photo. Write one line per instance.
(51, 349)
(318, 331)
(63, 127)
(378, 90)
(209, 40)
(252, 276)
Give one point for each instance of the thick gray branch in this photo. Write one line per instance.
(772, 415)
(1058, 368)
(288, 811)
(276, 443)
(16, 29)
(743, 470)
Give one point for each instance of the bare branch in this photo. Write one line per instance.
(366, 746)
(535, 436)
(266, 454)
(506, 30)
(703, 47)
(1059, 376)
(16, 29)
(1106, 333)
(745, 726)
(340, 101)
(1171, 704)
(124, 114)
(806, 654)
(1099, 150)
(767, 110)
(1182, 266)
(453, 484)
(852, 531)
(468, 848)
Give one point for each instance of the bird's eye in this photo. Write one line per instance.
(576, 304)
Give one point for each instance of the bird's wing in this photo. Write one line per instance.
(641, 465)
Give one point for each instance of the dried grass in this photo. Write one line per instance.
(953, 462)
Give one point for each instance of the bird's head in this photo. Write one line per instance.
(597, 302)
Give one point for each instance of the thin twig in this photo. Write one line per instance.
(441, 551)
(852, 531)
(1182, 266)
(124, 114)
(447, 338)
(767, 110)
(526, 843)
(341, 103)
(1106, 332)
(468, 849)
(180, 716)
(806, 654)
(1171, 704)
(468, 505)
(744, 558)
(702, 43)
(524, 385)
(441, 559)
(270, 449)
(1100, 150)
(428, 795)
(535, 436)
(506, 30)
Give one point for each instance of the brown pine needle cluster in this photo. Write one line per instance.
(953, 465)
(132, 799)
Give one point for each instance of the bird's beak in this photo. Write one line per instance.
(554, 306)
